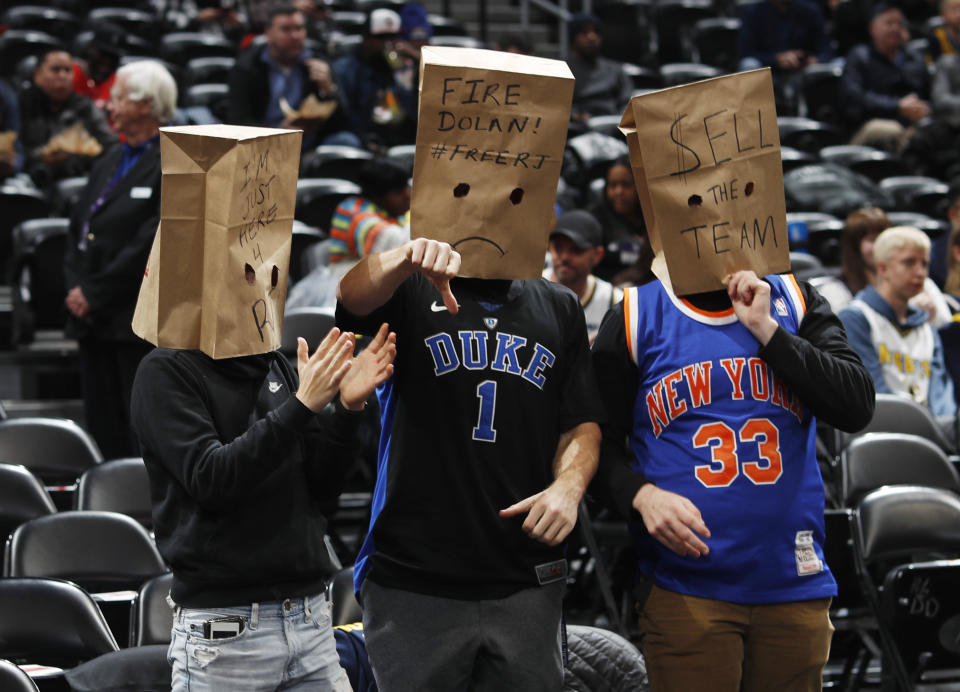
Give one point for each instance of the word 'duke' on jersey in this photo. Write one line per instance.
(696, 385)
(497, 351)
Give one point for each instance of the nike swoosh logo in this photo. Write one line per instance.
(437, 308)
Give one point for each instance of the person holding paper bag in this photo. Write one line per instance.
(713, 396)
(244, 461)
(490, 430)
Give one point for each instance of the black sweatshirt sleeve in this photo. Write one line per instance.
(819, 365)
(615, 483)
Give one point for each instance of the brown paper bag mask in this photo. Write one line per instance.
(706, 162)
(490, 141)
(216, 279)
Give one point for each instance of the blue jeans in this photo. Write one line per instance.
(284, 644)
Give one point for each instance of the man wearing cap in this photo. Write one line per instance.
(380, 106)
(576, 247)
(286, 69)
(885, 83)
(602, 87)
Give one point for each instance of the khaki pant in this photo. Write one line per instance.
(695, 643)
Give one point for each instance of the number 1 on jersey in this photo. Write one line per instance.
(487, 393)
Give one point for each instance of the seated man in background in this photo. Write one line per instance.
(896, 341)
(945, 39)
(576, 247)
(602, 87)
(286, 69)
(50, 107)
(885, 83)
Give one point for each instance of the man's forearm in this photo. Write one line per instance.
(371, 283)
(577, 454)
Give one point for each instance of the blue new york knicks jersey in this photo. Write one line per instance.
(714, 424)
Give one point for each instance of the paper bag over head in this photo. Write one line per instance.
(490, 139)
(217, 275)
(706, 162)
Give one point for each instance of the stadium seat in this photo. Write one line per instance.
(918, 193)
(807, 134)
(675, 74)
(627, 30)
(930, 226)
(334, 161)
(310, 323)
(210, 70)
(38, 277)
(120, 485)
(457, 41)
(304, 238)
(895, 526)
(876, 459)
(54, 449)
(831, 188)
(446, 26)
(605, 124)
(643, 77)
(152, 615)
(349, 21)
(50, 20)
(317, 198)
(12, 679)
(403, 154)
(344, 607)
(674, 21)
(51, 622)
(873, 163)
(216, 97)
(715, 42)
(100, 551)
(179, 48)
(22, 498)
(588, 156)
(143, 25)
(16, 44)
(818, 92)
(794, 158)
(900, 414)
(66, 192)
(19, 203)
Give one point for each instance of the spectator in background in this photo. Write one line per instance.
(627, 254)
(515, 43)
(319, 18)
(896, 341)
(786, 36)
(373, 221)
(576, 247)
(382, 110)
(111, 232)
(885, 83)
(602, 87)
(11, 157)
(286, 69)
(415, 33)
(49, 107)
(93, 76)
(935, 148)
(940, 252)
(945, 39)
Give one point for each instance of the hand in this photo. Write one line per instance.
(77, 303)
(673, 520)
(55, 159)
(913, 108)
(790, 59)
(551, 513)
(439, 263)
(371, 368)
(751, 302)
(320, 73)
(923, 301)
(322, 373)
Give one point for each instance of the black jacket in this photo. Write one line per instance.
(110, 269)
(241, 475)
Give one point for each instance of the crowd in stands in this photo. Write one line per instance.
(89, 101)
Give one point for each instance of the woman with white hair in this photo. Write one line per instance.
(111, 231)
(895, 340)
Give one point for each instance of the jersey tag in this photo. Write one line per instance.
(549, 572)
(807, 561)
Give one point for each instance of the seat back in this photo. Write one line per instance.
(317, 199)
(100, 551)
(152, 616)
(344, 606)
(55, 449)
(38, 277)
(22, 498)
(310, 323)
(121, 485)
(51, 622)
(921, 605)
(900, 414)
(12, 679)
(895, 522)
(878, 459)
